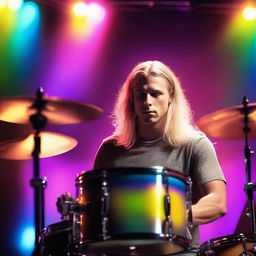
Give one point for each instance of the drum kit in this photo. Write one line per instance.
(120, 211)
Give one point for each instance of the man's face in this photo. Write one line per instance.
(151, 99)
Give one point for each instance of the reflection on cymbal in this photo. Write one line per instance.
(228, 123)
(51, 144)
(57, 111)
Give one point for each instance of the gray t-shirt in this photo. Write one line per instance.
(196, 159)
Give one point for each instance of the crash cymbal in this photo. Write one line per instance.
(57, 111)
(9, 131)
(228, 123)
(51, 144)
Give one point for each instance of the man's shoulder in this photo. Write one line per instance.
(196, 138)
(110, 143)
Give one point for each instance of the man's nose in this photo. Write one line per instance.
(148, 100)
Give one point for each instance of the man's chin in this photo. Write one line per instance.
(149, 121)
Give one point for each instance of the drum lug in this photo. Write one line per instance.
(189, 202)
(167, 205)
(167, 226)
(104, 206)
(104, 228)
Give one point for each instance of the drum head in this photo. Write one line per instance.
(130, 170)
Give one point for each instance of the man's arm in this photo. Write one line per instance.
(212, 204)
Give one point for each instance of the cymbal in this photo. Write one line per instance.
(57, 111)
(9, 131)
(51, 144)
(228, 123)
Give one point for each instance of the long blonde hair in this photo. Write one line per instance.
(178, 129)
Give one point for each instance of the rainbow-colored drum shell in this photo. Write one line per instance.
(126, 211)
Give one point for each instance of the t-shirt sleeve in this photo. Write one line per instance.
(205, 165)
(105, 155)
(99, 160)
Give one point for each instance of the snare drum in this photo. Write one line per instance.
(135, 211)
(231, 245)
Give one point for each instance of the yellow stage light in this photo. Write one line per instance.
(249, 13)
(80, 9)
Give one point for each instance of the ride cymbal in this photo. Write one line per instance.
(51, 144)
(228, 123)
(56, 110)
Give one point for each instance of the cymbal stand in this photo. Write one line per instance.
(250, 186)
(38, 121)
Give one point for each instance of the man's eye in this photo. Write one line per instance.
(155, 94)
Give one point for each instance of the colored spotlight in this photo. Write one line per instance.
(93, 11)
(14, 4)
(249, 13)
(80, 9)
(96, 13)
(27, 239)
(29, 13)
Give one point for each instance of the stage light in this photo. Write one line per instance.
(14, 4)
(249, 13)
(28, 14)
(92, 11)
(27, 239)
(80, 9)
(96, 13)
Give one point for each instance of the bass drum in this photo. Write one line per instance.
(56, 239)
(133, 211)
(231, 245)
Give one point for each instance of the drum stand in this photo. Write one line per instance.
(250, 186)
(38, 121)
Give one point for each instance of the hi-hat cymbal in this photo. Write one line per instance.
(51, 144)
(57, 111)
(228, 123)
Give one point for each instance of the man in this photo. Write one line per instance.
(153, 127)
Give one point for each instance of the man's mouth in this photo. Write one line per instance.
(148, 112)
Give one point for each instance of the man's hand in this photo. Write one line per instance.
(64, 204)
